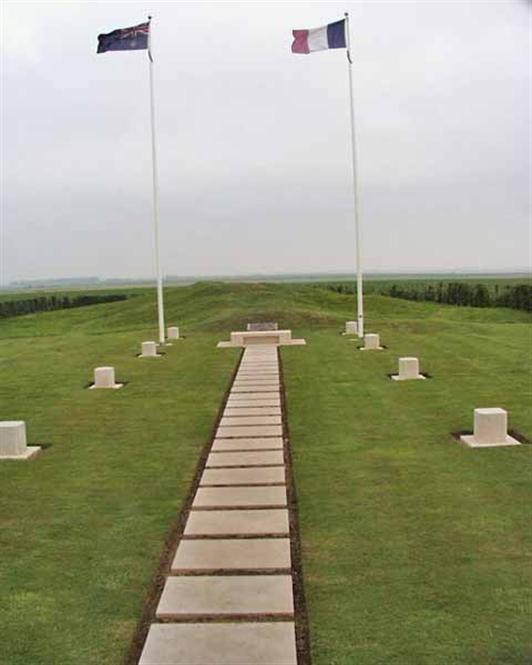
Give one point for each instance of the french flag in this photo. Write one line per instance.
(319, 39)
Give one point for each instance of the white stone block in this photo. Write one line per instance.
(12, 437)
(490, 429)
(104, 377)
(172, 332)
(408, 370)
(13, 441)
(259, 338)
(372, 341)
(351, 328)
(149, 350)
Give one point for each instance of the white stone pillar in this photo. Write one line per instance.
(104, 377)
(351, 328)
(149, 350)
(13, 441)
(172, 332)
(490, 429)
(372, 341)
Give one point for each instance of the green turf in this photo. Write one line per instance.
(414, 547)
(416, 550)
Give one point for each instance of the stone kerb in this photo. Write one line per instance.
(408, 370)
(490, 430)
(104, 377)
(13, 441)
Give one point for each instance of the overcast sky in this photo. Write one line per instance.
(254, 143)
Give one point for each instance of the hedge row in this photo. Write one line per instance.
(463, 294)
(48, 303)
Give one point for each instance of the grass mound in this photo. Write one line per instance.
(414, 548)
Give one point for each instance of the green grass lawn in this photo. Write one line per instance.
(414, 548)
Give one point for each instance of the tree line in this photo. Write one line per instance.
(49, 303)
(465, 294)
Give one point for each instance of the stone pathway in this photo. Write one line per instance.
(229, 597)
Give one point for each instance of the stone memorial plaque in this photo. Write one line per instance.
(262, 325)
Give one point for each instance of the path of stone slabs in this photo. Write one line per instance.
(228, 599)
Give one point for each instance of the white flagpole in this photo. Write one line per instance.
(360, 297)
(160, 303)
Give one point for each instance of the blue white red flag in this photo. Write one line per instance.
(320, 39)
(125, 39)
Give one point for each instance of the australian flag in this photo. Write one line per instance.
(125, 39)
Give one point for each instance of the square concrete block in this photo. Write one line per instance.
(258, 458)
(172, 332)
(12, 437)
(254, 430)
(211, 596)
(104, 377)
(13, 444)
(490, 429)
(265, 443)
(259, 475)
(246, 554)
(351, 328)
(220, 644)
(227, 421)
(268, 521)
(240, 497)
(231, 412)
(149, 350)
(372, 342)
(408, 370)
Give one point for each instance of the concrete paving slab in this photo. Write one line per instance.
(220, 644)
(252, 411)
(253, 430)
(265, 443)
(227, 421)
(240, 554)
(247, 476)
(253, 388)
(260, 361)
(209, 596)
(257, 376)
(270, 521)
(252, 458)
(256, 401)
(266, 399)
(257, 380)
(240, 497)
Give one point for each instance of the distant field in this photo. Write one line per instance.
(415, 550)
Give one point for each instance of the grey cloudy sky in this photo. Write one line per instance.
(254, 152)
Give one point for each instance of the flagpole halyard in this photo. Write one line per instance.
(360, 296)
(160, 302)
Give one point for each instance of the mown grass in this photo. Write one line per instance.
(414, 547)
(416, 550)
